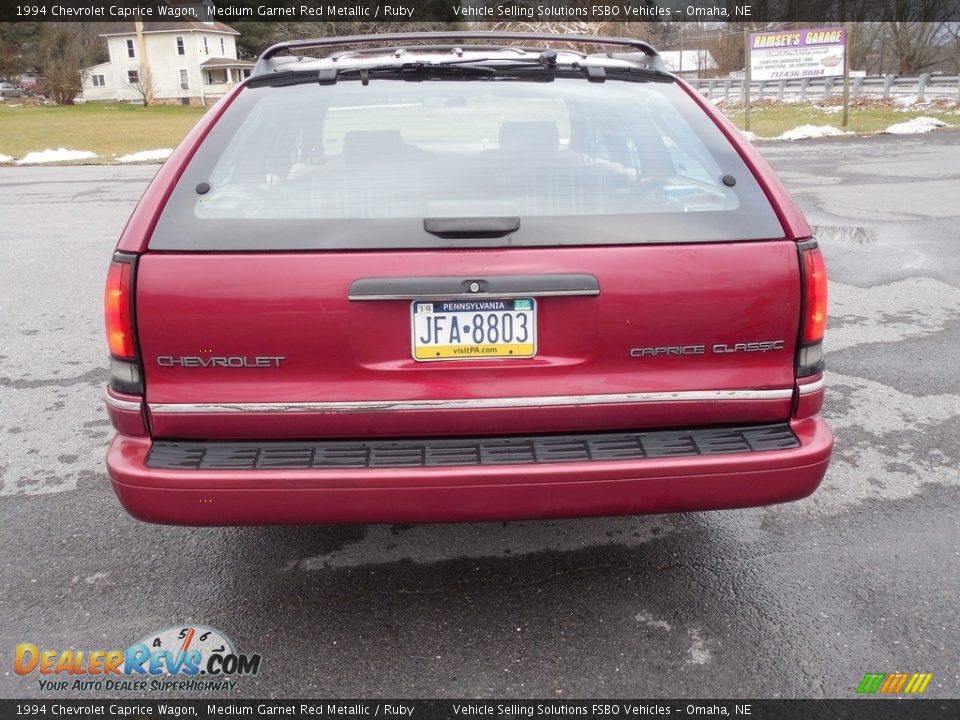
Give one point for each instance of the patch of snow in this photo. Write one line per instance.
(915, 126)
(752, 137)
(918, 105)
(830, 109)
(805, 132)
(146, 155)
(906, 99)
(60, 155)
(5, 158)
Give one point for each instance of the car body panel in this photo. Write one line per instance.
(345, 371)
(295, 306)
(467, 494)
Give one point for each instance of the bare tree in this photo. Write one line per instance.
(953, 30)
(915, 45)
(144, 84)
(62, 58)
(563, 27)
(297, 30)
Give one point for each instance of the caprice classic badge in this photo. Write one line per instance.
(535, 282)
(718, 348)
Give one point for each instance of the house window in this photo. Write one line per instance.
(181, 50)
(131, 50)
(133, 77)
(99, 81)
(206, 48)
(223, 50)
(246, 73)
(184, 80)
(209, 77)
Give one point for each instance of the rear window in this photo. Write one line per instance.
(348, 165)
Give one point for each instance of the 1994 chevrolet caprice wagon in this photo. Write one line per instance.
(463, 281)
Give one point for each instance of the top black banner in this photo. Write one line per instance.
(466, 11)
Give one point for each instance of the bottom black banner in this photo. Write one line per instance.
(867, 709)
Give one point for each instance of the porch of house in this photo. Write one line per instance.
(221, 74)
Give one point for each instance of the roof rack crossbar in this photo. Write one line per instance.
(453, 37)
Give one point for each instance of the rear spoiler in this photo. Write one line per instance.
(452, 39)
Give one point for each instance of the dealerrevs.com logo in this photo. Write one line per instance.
(188, 658)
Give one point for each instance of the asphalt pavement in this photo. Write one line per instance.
(798, 600)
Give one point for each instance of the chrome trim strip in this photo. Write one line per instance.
(119, 404)
(807, 388)
(474, 296)
(476, 403)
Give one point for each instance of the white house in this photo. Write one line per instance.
(194, 63)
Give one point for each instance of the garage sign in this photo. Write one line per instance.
(806, 53)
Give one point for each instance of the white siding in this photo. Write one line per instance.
(121, 64)
(92, 92)
(165, 65)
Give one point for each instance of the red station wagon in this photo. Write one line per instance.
(463, 280)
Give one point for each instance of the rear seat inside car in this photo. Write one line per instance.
(377, 174)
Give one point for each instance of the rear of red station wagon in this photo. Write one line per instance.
(459, 282)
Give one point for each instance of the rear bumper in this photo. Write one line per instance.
(468, 493)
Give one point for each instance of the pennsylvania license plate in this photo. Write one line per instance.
(474, 329)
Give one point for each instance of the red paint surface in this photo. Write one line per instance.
(219, 497)
(295, 305)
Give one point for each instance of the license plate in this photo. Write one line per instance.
(474, 329)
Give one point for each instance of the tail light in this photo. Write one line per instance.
(814, 313)
(125, 373)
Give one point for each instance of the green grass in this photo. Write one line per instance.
(111, 130)
(107, 130)
(773, 120)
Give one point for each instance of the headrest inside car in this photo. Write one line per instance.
(373, 145)
(532, 137)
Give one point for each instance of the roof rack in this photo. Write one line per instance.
(264, 66)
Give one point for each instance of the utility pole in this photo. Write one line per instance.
(846, 77)
(146, 81)
(746, 78)
(680, 63)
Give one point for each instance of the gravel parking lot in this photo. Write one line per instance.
(791, 601)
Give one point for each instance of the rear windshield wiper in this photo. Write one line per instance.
(509, 69)
(546, 62)
(482, 67)
(329, 75)
(411, 69)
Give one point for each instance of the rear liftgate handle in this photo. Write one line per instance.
(492, 286)
(497, 286)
